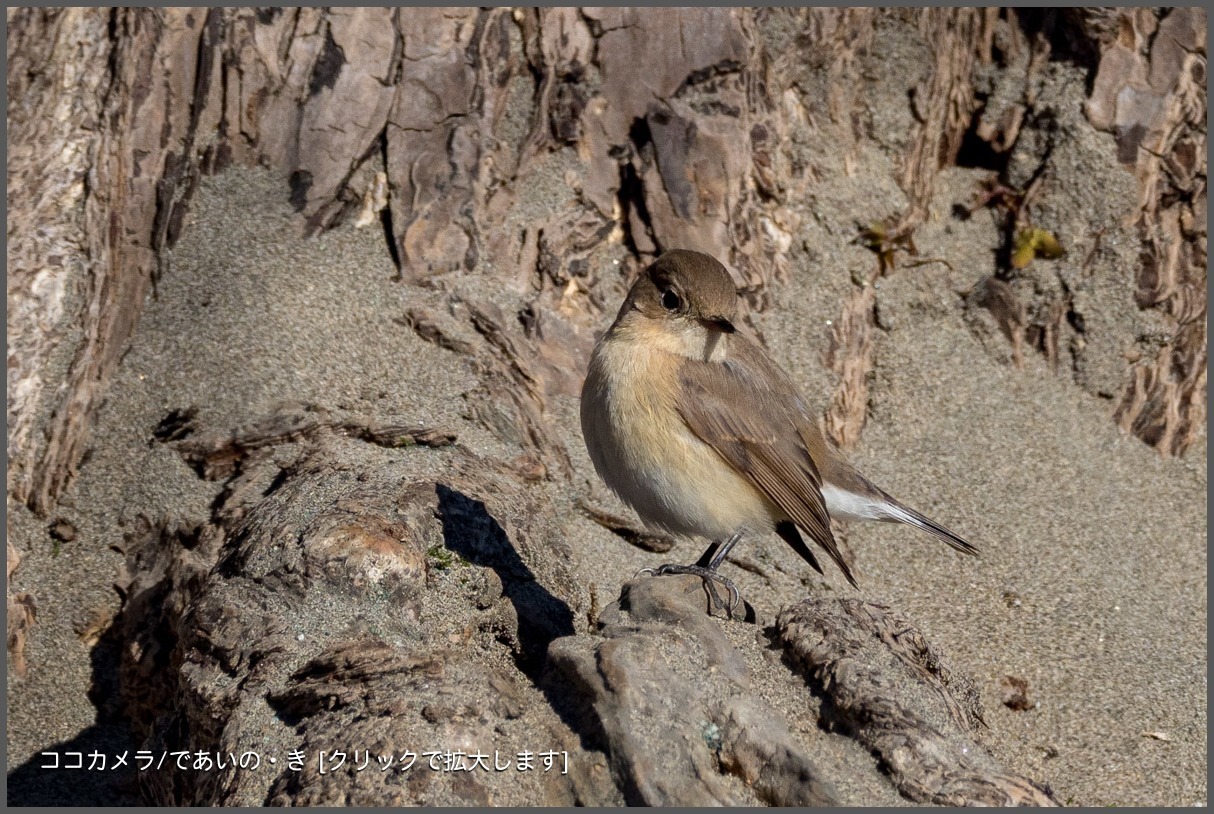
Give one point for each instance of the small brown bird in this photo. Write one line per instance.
(695, 427)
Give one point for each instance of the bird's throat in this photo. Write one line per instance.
(686, 338)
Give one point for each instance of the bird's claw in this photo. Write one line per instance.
(709, 576)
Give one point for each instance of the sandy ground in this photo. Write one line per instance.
(1091, 585)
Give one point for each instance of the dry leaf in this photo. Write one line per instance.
(1033, 242)
(1016, 694)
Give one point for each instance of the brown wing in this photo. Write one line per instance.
(747, 410)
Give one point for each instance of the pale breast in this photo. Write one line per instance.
(644, 451)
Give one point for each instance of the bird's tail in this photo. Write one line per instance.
(906, 514)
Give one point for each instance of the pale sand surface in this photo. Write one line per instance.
(1092, 581)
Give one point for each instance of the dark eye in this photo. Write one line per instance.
(670, 300)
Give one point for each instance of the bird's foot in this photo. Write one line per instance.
(709, 576)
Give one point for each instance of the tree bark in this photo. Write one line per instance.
(134, 104)
(674, 128)
(357, 599)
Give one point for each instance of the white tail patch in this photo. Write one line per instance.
(845, 505)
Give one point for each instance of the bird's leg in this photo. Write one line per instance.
(724, 552)
(713, 556)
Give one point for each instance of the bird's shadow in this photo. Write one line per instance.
(470, 531)
(94, 784)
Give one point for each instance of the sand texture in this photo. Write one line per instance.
(333, 503)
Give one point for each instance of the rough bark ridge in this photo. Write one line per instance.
(658, 664)
(398, 600)
(342, 600)
(360, 599)
(919, 729)
(692, 150)
(116, 97)
(956, 37)
(1150, 91)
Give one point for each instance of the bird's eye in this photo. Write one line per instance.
(670, 300)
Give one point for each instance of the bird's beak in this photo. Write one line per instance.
(720, 324)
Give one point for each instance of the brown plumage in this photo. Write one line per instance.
(695, 426)
(769, 443)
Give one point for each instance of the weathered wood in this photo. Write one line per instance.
(22, 611)
(341, 603)
(351, 604)
(665, 128)
(344, 601)
(889, 689)
(659, 665)
(851, 358)
(693, 150)
(220, 456)
(1159, 118)
(956, 37)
